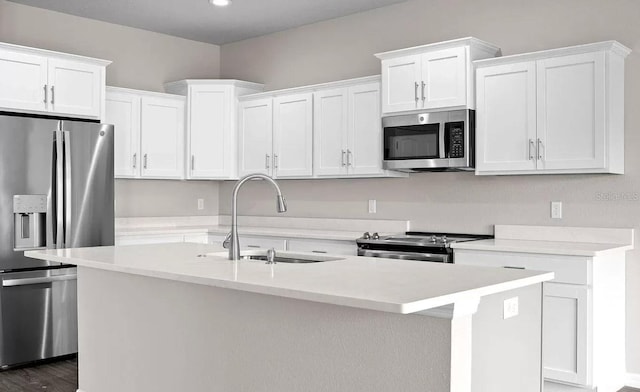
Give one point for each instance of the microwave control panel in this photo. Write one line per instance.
(456, 139)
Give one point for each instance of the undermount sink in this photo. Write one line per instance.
(281, 256)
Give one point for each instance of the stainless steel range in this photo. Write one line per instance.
(413, 245)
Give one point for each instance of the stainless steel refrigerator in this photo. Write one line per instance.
(56, 191)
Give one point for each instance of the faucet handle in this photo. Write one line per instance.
(227, 241)
(271, 256)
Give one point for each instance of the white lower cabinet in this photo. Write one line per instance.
(149, 133)
(258, 242)
(583, 316)
(149, 239)
(565, 330)
(347, 248)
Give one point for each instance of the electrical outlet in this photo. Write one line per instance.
(556, 209)
(201, 204)
(510, 308)
(372, 206)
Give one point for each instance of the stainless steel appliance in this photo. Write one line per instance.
(56, 191)
(440, 141)
(413, 245)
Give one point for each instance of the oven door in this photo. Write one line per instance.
(434, 257)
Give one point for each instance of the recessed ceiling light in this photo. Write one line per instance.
(220, 3)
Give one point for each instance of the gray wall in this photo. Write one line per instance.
(344, 48)
(141, 60)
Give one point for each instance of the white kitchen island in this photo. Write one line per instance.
(163, 318)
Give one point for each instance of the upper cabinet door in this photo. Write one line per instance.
(330, 132)
(364, 152)
(23, 81)
(571, 112)
(123, 111)
(401, 78)
(75, 88)
(292, 135)
(444, 78)
(506, 117)
(162, 129)
(255, 127)
(210, 140)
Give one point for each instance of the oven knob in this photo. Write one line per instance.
(375, 236)
(366, 236)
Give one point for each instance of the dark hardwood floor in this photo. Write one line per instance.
(62, 376)
(59, 376)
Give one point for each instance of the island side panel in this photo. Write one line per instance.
(141, 334)
(507, 353)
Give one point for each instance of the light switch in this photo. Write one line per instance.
(201, 204)
(510, 308)
(372, 206)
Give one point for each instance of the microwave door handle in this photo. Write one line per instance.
(441, 147)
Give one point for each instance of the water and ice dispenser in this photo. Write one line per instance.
(30, 219)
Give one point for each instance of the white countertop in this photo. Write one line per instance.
(398, 286)
(542, 247)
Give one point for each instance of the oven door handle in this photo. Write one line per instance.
(404, 255)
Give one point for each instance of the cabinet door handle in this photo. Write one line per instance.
(532, 155)
(318, 251)
(349, 156)
(510, 267)
(343, 154)
(266, 161)
(423, 86)
(540, 147)
(193, 162)
(53, 95)
(46, 94)
(275, 161)
(144, 161)
(135, 160)
(416, 92)
(253, 246)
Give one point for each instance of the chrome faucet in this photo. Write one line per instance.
(233, 241)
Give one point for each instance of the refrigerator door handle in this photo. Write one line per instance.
(59, 189)
(67, 188)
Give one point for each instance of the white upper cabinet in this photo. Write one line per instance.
(149, 133)
(330, 130)
(331, 122)
(45, 82)
(506, 104)
(255, 135)
(555, 111)
(211, 133)
(347, 130)
(123, 111)
(432, 77)
(293, 135)
(162, 130)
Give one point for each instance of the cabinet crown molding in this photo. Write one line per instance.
(468, 41)
(613, 46)
(226, 82)
(125, 90)
(54, 54)
(312, 88)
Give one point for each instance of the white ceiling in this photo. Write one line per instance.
(200, 21)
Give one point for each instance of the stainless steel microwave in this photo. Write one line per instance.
(440, 141)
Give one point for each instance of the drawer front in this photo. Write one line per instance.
(149, 239)
(251, 242)
(567, 269)
(197, 238)
(347, 248)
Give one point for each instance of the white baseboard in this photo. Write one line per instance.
(633, 380)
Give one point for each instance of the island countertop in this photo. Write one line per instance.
(396, 286)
